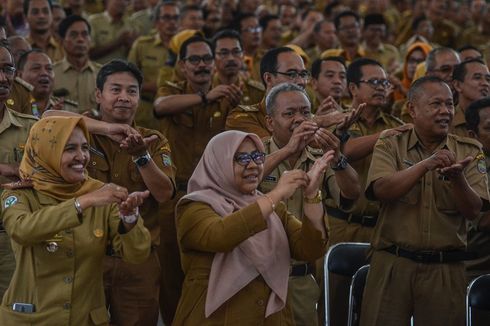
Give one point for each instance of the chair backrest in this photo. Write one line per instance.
(478, 296)
(345, 259)
(355, 295)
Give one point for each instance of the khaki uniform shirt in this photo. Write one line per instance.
(425, 218)
(458, 125)
(59, 258)
(200, 231)
(141, 21)
(386, 54)
(20, 96)
(54, 50)
(80, 84)
(249, 118)
(68, 105)
(342, 53)
(149, 54)
(473, 36)
(253, 91)
(189, 132)
(104, 31)
(110, 164)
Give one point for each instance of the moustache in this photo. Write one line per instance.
(231, 64)
(203, 72)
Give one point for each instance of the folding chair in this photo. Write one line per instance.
(478, 296)
(345, 259)
(355, 295)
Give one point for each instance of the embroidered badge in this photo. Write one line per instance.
(167, 161)
(10, 201)
(481, 166)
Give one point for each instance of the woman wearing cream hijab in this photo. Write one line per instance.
(60, 221)
(236, 243)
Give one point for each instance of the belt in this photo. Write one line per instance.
(431, 257)
(364, 220)
(181, 186)
(301, 269)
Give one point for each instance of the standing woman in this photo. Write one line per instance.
(236, 243)
(60, 226)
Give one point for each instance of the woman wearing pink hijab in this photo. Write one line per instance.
(236, 243)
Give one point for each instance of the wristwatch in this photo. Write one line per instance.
(204, 99)
(344, 137)
(341, 163)
(315, 200)
(142, 160)
(130, 219)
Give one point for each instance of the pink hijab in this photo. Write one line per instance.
(265, 253)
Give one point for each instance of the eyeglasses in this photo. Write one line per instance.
(169, 17)
(256, 29)
(244, 159)
(237, 53)
(375, 83)
(349, 27)
(293, 74)
(196, 59)
(8, 71)
(446, 69)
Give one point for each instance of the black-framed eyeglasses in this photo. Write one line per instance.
(293, 74)
(237, 53)
(244, 158)
(8, 71)
(196, 59)
(375, 83)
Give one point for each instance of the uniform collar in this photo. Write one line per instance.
(414, 141)
(65, 65)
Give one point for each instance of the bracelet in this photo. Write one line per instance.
(79, 209)
(315, 200)
(132, 218)
(272, 202)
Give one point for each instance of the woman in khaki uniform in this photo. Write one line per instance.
(60, 223)
(236, 243)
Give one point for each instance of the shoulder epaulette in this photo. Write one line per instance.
(71, 102)
(248, 108)
(173, 85)
(145, 38)
(23, 115)
(466, 140)
(256, 84)
(23, 83)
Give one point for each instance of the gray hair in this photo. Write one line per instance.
(270, 100)
(430, 61)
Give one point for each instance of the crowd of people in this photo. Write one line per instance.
(194, 160)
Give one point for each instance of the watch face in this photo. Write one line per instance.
(142, 161)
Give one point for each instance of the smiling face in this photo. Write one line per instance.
(75, 157)
(476, 84)
(247, 178)
(38, 71)
(119, 98)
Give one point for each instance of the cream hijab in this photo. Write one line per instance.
(265, 253)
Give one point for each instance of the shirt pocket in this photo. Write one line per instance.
(98, 167)
(99, 316)
(444, 198)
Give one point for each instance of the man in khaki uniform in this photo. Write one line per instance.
(40, 18)
(142, 162)
(368, 83)
(112, 33)
(329, 83)
(289, 114)
(445, 31)
(150, 53)
(143, 20)
(251, 34)
(192, 113)
(471, 79)
(278, 65)
(228, 57)
(76, 73)
(427, 183)
(14, 129)
(36, 68)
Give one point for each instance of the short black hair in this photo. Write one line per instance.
(23, 58)
(225, 33)
(269, 60)
(374, 19)
(316, 67)
(70, 20)
(459, 72)
(416, 22)
(469, 47)
(328, 10)
(6, 47)
(115, 66)
(418, 85)
(193, 39)
(185, 9)
(354, 71)
(472, 113)
(264, 21)
(238, 21)
(318, 25)
(345, 13)
(155, 13)
(28, 2)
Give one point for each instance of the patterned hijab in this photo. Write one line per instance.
(41, 162)
(265, 253)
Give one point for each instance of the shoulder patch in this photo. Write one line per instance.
(10, 201)
(481, 165)
(249, 108)
(256, 84)
(166, 160)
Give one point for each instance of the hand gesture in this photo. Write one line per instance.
(134, 200)
(231, 92)
(302, 135)
(441, 159)
(289, 182)
(349, 119)
(108, 194)
(136, 145)
(316, 172)
(327, 141)
(455, 170)
(328, 105)
(119, 132)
